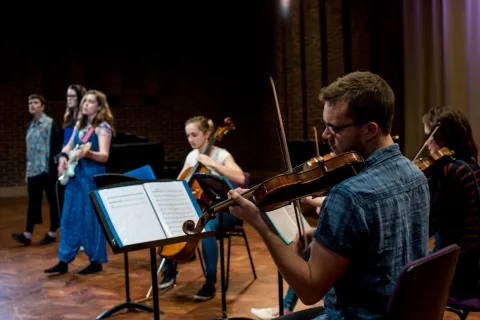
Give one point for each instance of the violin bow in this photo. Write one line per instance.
(288, 163)
(430, 137)
(316, 141)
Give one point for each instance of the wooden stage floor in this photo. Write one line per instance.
(27, 293)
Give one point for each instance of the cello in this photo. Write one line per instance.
(184, 250)
(290, 186)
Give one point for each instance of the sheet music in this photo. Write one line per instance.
(173, 205)
(131, 214)
(285, 222)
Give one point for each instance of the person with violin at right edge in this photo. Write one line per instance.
(371, 224)
(219, 162)
(455, 191)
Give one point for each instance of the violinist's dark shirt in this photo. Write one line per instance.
(455, 215)
(379, 220)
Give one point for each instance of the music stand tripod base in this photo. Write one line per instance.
(216, 189)
(131, 306)
(234, 318)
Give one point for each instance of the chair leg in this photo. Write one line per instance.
(462, 315)
(465, 315)
(250, 255)
(228, 261)
(200, 257)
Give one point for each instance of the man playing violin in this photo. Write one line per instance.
(455, 192)
(370, 225)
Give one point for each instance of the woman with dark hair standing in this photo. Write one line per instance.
(75, 93)
(455, 192)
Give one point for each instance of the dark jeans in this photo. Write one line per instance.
(317, 313)
(36, 185)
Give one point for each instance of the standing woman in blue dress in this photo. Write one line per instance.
(79, 225)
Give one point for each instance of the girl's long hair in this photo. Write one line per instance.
(103, 115)
(454, 132)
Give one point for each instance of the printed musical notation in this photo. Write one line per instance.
(129, 210)
(172, 204)
(127, 200)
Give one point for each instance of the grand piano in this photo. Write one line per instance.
(129, 151)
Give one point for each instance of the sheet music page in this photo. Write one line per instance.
(131, 214)
(285, 222)
(173, 205)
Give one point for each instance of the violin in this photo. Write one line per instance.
(317, 158)
(440, 156)
(283, 189)
(184, 250)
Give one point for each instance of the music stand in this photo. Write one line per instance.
(112, 181)
(216, 189)
(104, 180)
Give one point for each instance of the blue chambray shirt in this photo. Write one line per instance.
(379, 220)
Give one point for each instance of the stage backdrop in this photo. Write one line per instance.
(441, 53)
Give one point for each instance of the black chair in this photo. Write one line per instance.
(463, 303)
(465, 293)
(236, 231)
(421, 290)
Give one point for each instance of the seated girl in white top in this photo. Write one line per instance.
(220, 162)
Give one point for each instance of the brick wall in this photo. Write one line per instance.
(359, 35)
(207, 63)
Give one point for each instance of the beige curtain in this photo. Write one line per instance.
(441, 62)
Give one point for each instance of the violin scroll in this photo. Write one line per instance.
(190, 228)
(222, 131)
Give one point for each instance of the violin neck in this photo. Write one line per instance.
(225, 204)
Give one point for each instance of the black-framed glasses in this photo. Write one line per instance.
(336, 129)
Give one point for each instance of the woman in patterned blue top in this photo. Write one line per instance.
(42, 142)
(79, 225)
